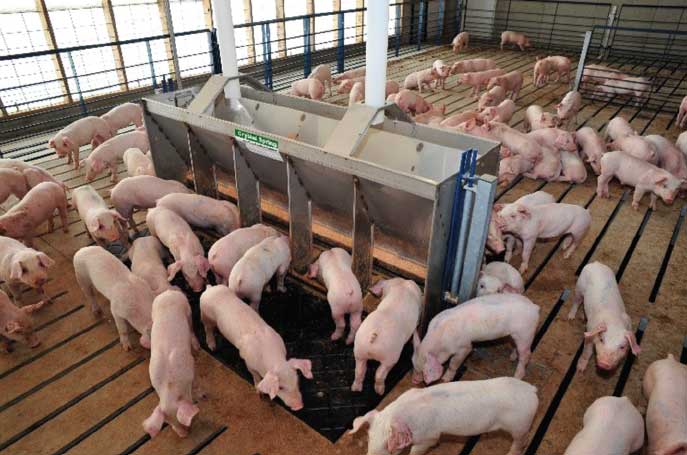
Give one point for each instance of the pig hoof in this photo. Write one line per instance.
(335, 336)
(379, 388)
(356, 387)
(349, 340)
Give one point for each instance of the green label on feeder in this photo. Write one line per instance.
(259, 145)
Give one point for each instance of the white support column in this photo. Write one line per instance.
(375, 55)
(227, 48)
(172, 42)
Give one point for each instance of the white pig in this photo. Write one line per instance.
(419, 417)
(669, 156)
(609, 328)
(636, 146)
(259, 345)
(123, 115)
(592, 147)
(499, 278)
(87, 130)
(146, 256)
(323, 73)
(566, 110)
(104, 225)
(333, 267)
(536, 118)
(137, 163)
(227, 251)
(203, 211)
(386, 330)
(111, 152)
(131, 299)
(573, 169)
(617, 128)
(171, 364)
(12, 182)
(16, 323)
(21, 265)
(460, 42)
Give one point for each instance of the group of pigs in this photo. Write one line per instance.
(606, 83)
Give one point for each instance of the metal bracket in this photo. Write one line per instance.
(300, 220)
(204, 177)
(394, 112)
(160, 144)
(205, 99)
(247, 188)
(583, 59)
(363, 237)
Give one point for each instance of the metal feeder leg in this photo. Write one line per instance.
(363, 238)
(247, 189)
(204, 180)
(300, 220)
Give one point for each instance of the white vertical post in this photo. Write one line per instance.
(227, 48)
(173, 43)
(375, 55)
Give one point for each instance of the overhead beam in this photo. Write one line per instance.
(336, 7)
(207, 12)
(359, 21)
(116, 49)
(168, 42)
(50, 37)
(248, 18)
(281, 28)
(310, 9)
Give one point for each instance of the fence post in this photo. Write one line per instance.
(307, 55)
(340, 45)
(216, 61)
(152, 65)
(398, 29)
(420, 24)
(507, 15)
(553, 25)
(440, 21)
(459, 13)
(267, 54)
(583, 58)
(607, 38)
(84, 109)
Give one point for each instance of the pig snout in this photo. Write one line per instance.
(417, 377)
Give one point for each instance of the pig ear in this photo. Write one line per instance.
(16, 270)
(304, 366)
(173, 269)
(432, 369)
(12, 327)
(203, 265)
(314, 269)
(378, 288)
(510, 289)
(116, 214)
(153, 424)
(498, 207)
(470, 124)
(269, 385)
(400, 436)
(93, 224)
(597, 330)
(67, 142)
(524, 211)
(360, 421)
(416, 341)
(660, 179)
(186, 412)
(630, 336)
(45, 260)
(97, 165)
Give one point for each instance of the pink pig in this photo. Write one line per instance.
(346, 85)
(258, 265)
(34, 209)
(16, 323)
(203, 211)
(472, 65)
(259, 345)
(665, 387)
(23, 266)
(618, 128)
(357, 93)
(545, 221)
(422, 78)
(566, 110)
(511, 83)
(555, 138)
(146, 254)
(561, 66)
(123, 115)
(612, 425)
(111, 152)
(456, 119)
(12, 182)
(669, 156)
(681, 143)
(572, 168)
(645, 177)
(592, 147)
(442, 72)
(33, 174)
(501, 113)
(130, 297)
(137, 163)
(518, 39)
(636, 146)
(386, 330)
(87, 130)
(141, 192)
(517, 142)
(409, 101)
(536, 119)
(104, 225)
(460, 42)
(171, 364)
(182, 242)
(452, 332)
(609, 328)
(227, 251)
(682, 113)
(499, 278)
(494, 96)
(333, 267)
(350, 74)
(479, 79)
(432, 117)
(542, 68)
(309, 88)
(323, 73)
(511, 166)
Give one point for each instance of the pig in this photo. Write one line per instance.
(573, 169)
(147, 254)
(592, 147)
(511, 83)
(137, 163)
(494, 235)
(102, 224)
(16, 323)
(681, 143)
(545, 221)
(123, 115)
(409, 101)
(451, 333)
(350, 74)
(609, 328)
(36, 207)
(323, 73)
(567, 109)
(478, 80)
(420, 416)
(595, 74)
(21, 265)
(309, 88)
(174, 233)
(561, 66)
(141, 192)
(460, 42)
(636, 146)
(259, 345)
(669, 156)
(456, 119)
(442, 72)
(554, 138)
(472, 65)
(333, 267)
(536, 118)
(386, 330)
(87, 130)
(12, 182)
(637, 88)
(270, 257)
(665, 387)
(494, 96)
(392, 87)
(532, 199)
(203, 211)
(643, 176)
(511, 166)
(33, 174)
(542, 68)
(227, 251)
(111, 152)
(548, 168)
(501, 113)
(357, 93)
(432, 117)
(131, 299)
(612, 425)
(682, 113)
(171, 366)
(515, 141)
(422, 78)
(346, 85)
(516, 38)
(499, 278)
(618, 128)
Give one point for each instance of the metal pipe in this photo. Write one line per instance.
(376, 55)
(172, 43)
(227, 49)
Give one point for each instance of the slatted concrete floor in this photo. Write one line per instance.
(79, 392)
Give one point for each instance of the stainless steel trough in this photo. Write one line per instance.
(389, 187)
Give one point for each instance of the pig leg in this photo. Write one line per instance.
(340, 322)
(637, 197)
(578, 298)
(75, 157)
(62, 209)
(51, 223)
(123, 330)
(360, 370)
(123, 236)
(180, 430)
(15, 291)
(527, 247)
(523, 343)
(652, 201)
(518, 446)
(380, 377)
(602, 185)
(132, 224)
(89, 291)
(421, 448)
(281, 275)
(586, 355)
(113, 172)
(355, 321)
(256, 379)
(209, 326)
(455, 362)
(569, 245)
